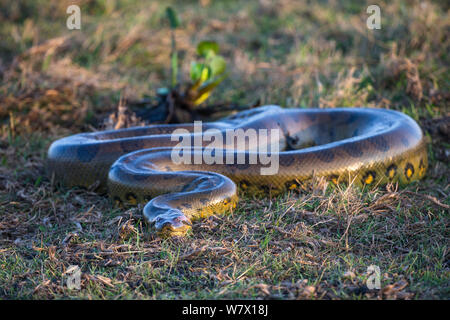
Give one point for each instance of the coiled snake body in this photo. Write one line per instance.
(353, 145)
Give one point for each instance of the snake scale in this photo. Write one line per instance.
(362, 146)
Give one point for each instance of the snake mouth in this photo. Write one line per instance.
(168, 231)
(172, 224)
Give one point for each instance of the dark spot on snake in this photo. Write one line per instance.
(126, 160)
(168, 176)
(130, 196)
(405, 141)
(132, 144)
(333, 178)
(286, 161)
(140, 177)
(380, 143)
(422, 167)
(117, 201)
(332, 134)
(204, 201)
(311, 116)
(292, 185)
(355, 133)
(238, 156)
(421, 164)
(391, 171)
(369, 177)
(244, 184)
(265, 188)
(325, 155)
(187, 205)
(292, 142)
(86, 153)
(353, 150)
(168, 168)
(409, 170)
(243, 166)
(352, 118)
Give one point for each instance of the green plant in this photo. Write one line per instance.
(205, 74)
(174, 23)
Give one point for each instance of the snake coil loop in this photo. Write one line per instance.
(361, 146)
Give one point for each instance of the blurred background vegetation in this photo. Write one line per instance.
(292, 53)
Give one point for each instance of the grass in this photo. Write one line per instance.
(316, 244)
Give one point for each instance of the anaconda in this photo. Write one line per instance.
(361, 146)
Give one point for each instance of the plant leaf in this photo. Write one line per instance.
(200, 72)
(218, 65)
(173, 18)
(196, 70)
(207, 47)
(174, 66)
(205, 91)
(206, 73)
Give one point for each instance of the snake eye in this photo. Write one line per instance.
(227, 201)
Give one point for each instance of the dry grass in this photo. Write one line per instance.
(316, 244)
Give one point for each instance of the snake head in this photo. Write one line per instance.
(172, 223)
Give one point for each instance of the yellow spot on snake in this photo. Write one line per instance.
(293, 186)
(244, 186)
(391, 173)
(422, 168)
(421, 171)
(409, 173)
(132, 200)
(369, 179)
